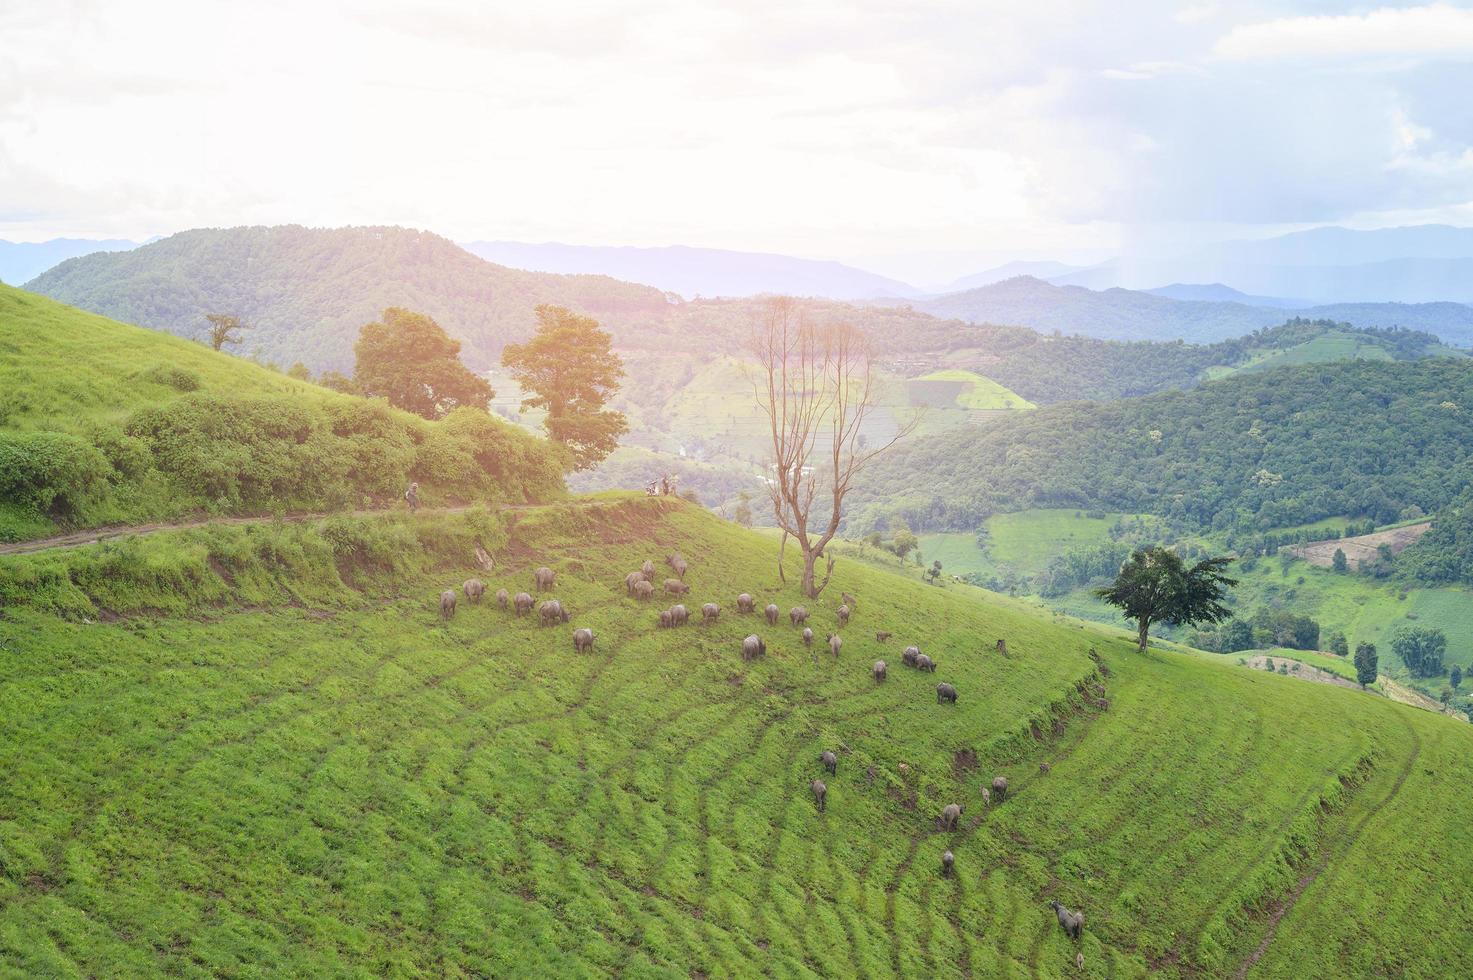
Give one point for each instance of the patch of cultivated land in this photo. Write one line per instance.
(1364, 547)
(255, 749)
(1305, 671)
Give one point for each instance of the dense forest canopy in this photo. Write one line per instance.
(1255, 451)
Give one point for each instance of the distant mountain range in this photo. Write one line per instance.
(1123, 314)
(692, 272)
(23, 261)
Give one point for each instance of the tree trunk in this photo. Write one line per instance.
(809, 561)
(1145, 629)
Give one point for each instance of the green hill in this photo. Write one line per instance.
(307, 291)
(255, 749)
(102, 422)
(972, 391)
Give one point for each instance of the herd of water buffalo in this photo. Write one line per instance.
(640, 585)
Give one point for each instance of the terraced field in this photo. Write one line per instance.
(254, 749)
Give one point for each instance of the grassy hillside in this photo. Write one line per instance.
(977, 392)
(256, 749)
(102, 422)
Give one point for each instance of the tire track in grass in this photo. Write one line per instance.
(1331, 849)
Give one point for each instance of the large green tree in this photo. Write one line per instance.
(1421, 648)
(1155, 586)
(1366, 663)
(407, 358)
(223, 328)
(570, 371)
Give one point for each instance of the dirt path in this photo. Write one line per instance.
(1306, 671)
(1286, 905)
(77, 539)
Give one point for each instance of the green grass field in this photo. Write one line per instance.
(256, 750)
(980, 392)
(1022, 543)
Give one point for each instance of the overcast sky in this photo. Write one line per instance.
(897, 134)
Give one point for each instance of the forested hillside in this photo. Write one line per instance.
(1255, 451)
(103, 422)
(307, 291)
(1124, 314)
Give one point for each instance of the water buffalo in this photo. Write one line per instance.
(820, 794)
(986, 796)
(1000, 787)
(753, 647)
(551, 612)
(950, 817)
(474, 588)
(647, 570)
(677, 565)
(798, 615)
(849, 600)
(679, 615)
(807, 637)
(632, 580)
(1044, 768)
(1002, 647)
(945, 693)
(882, 635)
(544, 578)
(1071, 922)
(843, 615)
(948, 861)
(523, 603)
(710, 612)
(447, 604)
(582, 639)
(925, 663)
(503, 598)
(880, 669)
(908, 658)
(665, 622)
(643, 591)
(835, 643)
(772, 613)
(676, 587)
(830, 761)
(746, 603)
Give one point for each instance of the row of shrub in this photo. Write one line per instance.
(227, 453)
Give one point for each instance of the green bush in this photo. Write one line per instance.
(172, 376)
(52, 472)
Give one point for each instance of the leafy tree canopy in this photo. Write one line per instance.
(1154, 585)
(570, 371)
(408, 359)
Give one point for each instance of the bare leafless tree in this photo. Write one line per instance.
(815, 384)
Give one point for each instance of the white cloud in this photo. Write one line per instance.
(1435, 30)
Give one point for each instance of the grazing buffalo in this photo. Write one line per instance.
(820, 794)
(582, 640)
(675, 586)
(679, 615)
(849, 600)
(523, 603)
(830, 761)
(882, 635)
(879, 670)
(925, 663)
(643, 591)
(753, 647)
(710, 612)
(1002, 647)
(677, 565)
(1044, 768)
(447, 604)
(551, 612)
(807, 637)
(798, 615)
(843, 615)
(1000, 788)
(503, 598)
(835, 643)
(746, 603)
(665, 621)
(647, 570)
(908, 658)
(632, 580)
(950, 817)
(772, 613)
(474, 588)
(948, 861)
(544, 578)
(986, 796)
(945, 693)
(1071, 922)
